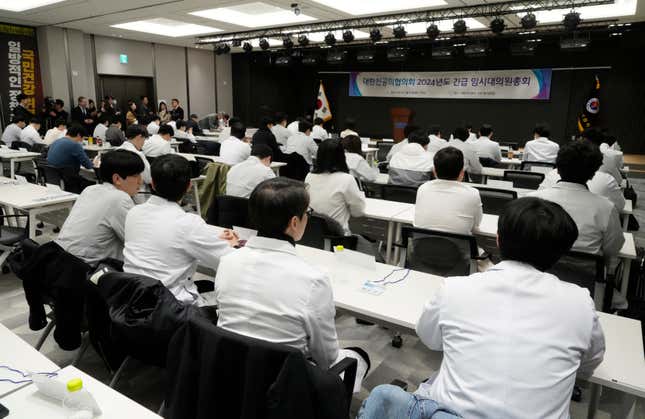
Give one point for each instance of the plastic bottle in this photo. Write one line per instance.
(77, 402)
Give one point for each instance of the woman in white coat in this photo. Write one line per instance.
(358, 166)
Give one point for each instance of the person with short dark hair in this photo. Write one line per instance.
(114, 134)
(541, 149)
(184, 133)
(235, 149)
(358, 166)
(164, 242)
(101, 128)
(458, 140)
(410, 128)
(245, 176)
(136, 137)
(12, 132)
(144, 110)
(350, 127)
(153, 126)
(294, 126)
(412, 166)
(30, 134)
(264, 135)
(318, 131)
(21, 109)
(302, 143)
(596, 217)
(484, 147)
(59, 111)
(177, 112)
(446, 203)
(612, 160)
(193, 126)
(436, 140)
(279, 128)
(95, 227)
(266, 291)
(514, 318)
(57, 131)
(333, 190)
(82, 116)
(68, 151)
(159, 144)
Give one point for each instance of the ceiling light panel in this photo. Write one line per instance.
(604, 11)
(365, 7)
(166, 27)
(444, 26)
(22, 5)
(320, 36)
(253, 15)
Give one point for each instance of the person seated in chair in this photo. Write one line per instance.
(95, 227)
(12, 132)
(265, 136)
(447, 204)
(471, 162)
(183, 132)
(165, 242)
(515, 338)
(57, 131)
(596, 217)
(541, 149)
(485, 148)
(266, 291)
(30, 133)
(68, 151)
(334, 192)
(358, 166)
(412, 165)
(153, 126)
(398, 146)
(245, 176)
(159, 144)
(235, 149)
(302, 143)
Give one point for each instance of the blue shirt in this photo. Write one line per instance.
(65, 152)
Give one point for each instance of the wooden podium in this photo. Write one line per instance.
(401, 117)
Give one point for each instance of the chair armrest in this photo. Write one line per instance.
(14, 215)
(347, 366)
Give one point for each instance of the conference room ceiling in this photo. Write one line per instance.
(182, 17)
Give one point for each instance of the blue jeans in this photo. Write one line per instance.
(391, 402)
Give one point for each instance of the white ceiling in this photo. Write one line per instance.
(96, 16)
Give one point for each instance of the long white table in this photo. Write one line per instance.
(32, 200)
(18, 354)
(13, 157)
(29, 403)
(401, 304)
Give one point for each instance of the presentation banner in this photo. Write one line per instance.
(495, 84)
(19, 70)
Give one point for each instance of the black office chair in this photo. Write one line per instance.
(584, 270)
(208, 148)
(529, 165)
(323, 232)
(16, 145)
(10, 237)
(202, 162)
(373, 190)
(187, 147)
(439, 253)
(405, 194)
(228, 211)
(383, 148)
(524, 180)
(494, 200)
(488, 162)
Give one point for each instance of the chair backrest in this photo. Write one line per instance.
(383, 148)
(209, 148)
(406, 194)
(582, 269)
(438, 252)
(202, 162)
(297, 167)
(320, 232)
(524, 180)
(488, 162)
(186, 147)
(494, 200)
(16, 145)
(530, 165)
(228, 211)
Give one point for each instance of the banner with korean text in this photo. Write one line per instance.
(19, 70)
(494, 84)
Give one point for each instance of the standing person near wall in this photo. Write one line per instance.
(177, 112)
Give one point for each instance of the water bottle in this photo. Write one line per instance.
(74, 401)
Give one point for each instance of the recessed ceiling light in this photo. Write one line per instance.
(253, 15)
(604, 11)
(320, 36)
(444, 26)
(364, 7)
(166, 27)
(22, 5)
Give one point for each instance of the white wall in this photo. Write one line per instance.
(208, 82)
(170, 82)
(201, 81)
(139, 54)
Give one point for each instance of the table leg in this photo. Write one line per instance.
(388, 241)
(13, 168)
(625, 221)
(197, 204)
(397, 239)
(624, 282)
(593, 400)
(277, 172)
(32, 225)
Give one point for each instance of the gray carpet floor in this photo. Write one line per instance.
(412, 363)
